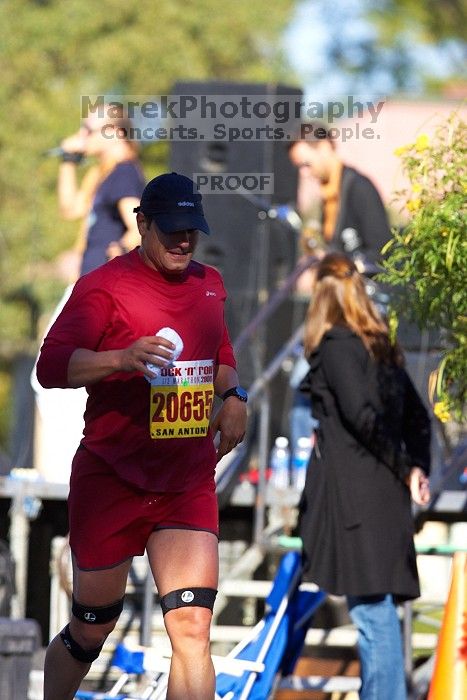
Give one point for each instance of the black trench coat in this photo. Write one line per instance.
(355, 512)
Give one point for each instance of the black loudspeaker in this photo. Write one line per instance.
(253, 250)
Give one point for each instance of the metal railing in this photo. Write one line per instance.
(259, 399)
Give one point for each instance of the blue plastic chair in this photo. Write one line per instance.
(277, 640)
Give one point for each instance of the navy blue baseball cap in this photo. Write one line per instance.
(174, 203)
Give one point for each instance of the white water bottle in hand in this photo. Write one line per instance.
(171, 335)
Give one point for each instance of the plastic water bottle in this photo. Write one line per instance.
(300, 459)
(280, 462)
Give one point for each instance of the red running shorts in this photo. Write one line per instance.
(111, 520)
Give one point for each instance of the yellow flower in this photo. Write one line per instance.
(440, 409)
(402, 149)
(416, 187)
(413, 204)
(422, 142)
(444, 234)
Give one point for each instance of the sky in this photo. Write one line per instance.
(310, 35)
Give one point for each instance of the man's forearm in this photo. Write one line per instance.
(87, 367)
(226, 378)
(67, 190)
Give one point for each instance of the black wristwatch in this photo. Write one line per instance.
(236, 391)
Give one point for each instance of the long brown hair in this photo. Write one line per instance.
(339, 299)
(98, 172)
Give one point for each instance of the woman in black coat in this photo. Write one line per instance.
(371, 455)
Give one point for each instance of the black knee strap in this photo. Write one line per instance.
(97, 615)
(185, 597)
(86, 656)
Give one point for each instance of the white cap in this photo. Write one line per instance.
(282, 442)
(304, 442)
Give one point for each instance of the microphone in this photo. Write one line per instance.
(287, 214)
(282, 212)
(54, 152)
(66, 156)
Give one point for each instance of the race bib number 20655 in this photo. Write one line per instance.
(181, 400)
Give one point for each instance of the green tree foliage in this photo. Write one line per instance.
(440, 25)
(427, 260)
(433, 20)
(381, 46)
(52, 52)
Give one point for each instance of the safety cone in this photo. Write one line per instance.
(449, 681)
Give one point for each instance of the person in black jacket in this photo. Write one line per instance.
(353, 217)
(353, 221)
(372, 453)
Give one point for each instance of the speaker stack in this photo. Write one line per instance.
(253, 251)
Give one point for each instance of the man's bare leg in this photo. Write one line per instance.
(62, 672)
(179, 559)
(192, 674)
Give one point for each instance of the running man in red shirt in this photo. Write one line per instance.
(145, 334)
